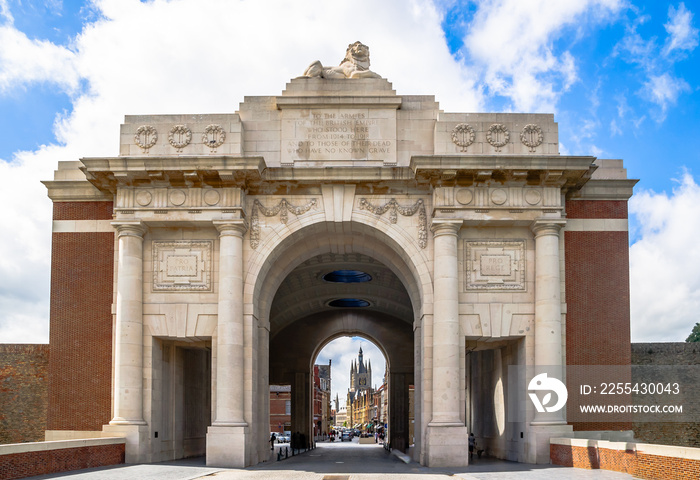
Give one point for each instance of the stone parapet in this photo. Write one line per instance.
(645, 461)
(46, 458)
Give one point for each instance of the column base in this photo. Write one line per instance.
(137, 436)
(537, 448)
(226, 446)
(447, 445)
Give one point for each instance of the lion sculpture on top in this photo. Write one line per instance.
(354, 65)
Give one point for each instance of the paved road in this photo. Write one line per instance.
(340, 461)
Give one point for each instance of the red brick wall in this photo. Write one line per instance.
(82, 211)
(80, 366)
(23, 392)
(596, 209)
(278, 415)
(640, 465)
(598, 298)
(21, 465)
(597, 293)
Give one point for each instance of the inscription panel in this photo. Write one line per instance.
(338, 134)
(182, 266)
(495, 265)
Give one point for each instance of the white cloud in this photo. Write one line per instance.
(614, 129)
(24, 61)
(681, 34)
(343, 351)
(186, 56)
(664, 90)
(25, 263)
(660, 87)
(665, 285)
(5, 11)
(512, 42)
(635, 49)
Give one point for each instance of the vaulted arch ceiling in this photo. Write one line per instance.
(304, 291)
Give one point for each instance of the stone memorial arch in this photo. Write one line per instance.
(188, 271)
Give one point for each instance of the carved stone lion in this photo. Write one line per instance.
(354, 65)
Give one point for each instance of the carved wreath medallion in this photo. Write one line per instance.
(145, 137)
(213, 136)
(179, 137)
(532, 136)
(498, 136)
(463, 135)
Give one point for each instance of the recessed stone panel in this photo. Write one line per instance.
(182, 266)
(338, 134)
(495, 265)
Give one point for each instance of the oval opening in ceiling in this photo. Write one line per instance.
(348, 303)
(347, 276)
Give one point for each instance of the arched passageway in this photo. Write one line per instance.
(303, 318)
(291, 366)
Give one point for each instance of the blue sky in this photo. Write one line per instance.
(621, 77)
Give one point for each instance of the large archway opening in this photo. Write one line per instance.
(313, 296)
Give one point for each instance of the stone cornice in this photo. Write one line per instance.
(606, 189)
(109, 173)
(566, 172)
(338, 101)
(74, 191)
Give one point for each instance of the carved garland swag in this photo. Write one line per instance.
(392, 206)
(280, 209)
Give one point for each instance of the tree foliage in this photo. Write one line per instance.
(695, 334)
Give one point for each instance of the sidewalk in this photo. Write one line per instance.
(340, 461)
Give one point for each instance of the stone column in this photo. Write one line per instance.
(302, 405)
(128, 345)
(226, 445)
(548, 332)
(398, 415)
(128, 348)
(548, 338)
(447, 436)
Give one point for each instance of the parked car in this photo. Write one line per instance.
(283, 438)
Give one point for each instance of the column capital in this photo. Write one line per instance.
(445, 227)
(231, 227)
(134, 228)
(547, 226)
